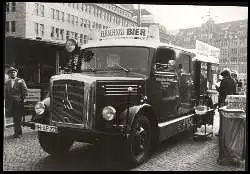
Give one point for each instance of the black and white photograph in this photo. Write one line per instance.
(125, 87)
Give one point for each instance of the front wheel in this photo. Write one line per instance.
(54, 144)
(139, 143)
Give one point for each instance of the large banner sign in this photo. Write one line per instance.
(207, 50)
(127, 32)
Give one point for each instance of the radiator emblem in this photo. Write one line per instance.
(66, 103)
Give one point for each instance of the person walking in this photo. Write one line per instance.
(15, 92)
(227, 87)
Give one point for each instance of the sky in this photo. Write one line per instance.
(175, 17)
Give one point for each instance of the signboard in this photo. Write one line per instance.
(127, 32)
(33, 95)
(207, 50)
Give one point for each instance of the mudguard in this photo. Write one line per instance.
(133, 111)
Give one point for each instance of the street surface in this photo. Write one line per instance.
(180, 153)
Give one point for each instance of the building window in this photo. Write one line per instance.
(53, 13)
(81, 6)
(62, 34)
(42, 29)
(7, 26)
(63, 16)
(42, 10)
(67, 35)
(81, 38)
(36, 8)
(72, 19)
(13, 6)
(81, 22)
(57, 33)
(52, 32)
(57, 15)
(76, 18)
(85, 39)
(68, 18)
(36, 28)
(13, 26)
(86, 8)
(7, 6)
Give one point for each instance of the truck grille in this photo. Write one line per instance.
(121, 89)
(67, 104)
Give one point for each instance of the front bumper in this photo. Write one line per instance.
(86, 135)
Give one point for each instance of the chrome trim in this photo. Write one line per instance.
(174, 120)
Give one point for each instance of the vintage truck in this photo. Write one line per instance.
(134, 91)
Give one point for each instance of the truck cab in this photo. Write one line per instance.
(140, 91)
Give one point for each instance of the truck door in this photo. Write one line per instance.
(186, 84)
(164, 85)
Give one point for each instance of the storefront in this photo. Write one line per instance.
(36, 60)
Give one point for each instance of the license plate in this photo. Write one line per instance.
(46, 128)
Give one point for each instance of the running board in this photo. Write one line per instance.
(175, 126)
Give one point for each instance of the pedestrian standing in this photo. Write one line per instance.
(227, 87)
(15, 92)
(234, 75)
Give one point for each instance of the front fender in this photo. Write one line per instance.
(127, 119)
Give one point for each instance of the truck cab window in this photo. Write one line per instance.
(165, 59)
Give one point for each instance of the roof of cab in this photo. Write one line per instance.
(133, 42)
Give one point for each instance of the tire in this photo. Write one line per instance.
(54, 144)
(139, 144)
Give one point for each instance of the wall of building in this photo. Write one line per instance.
(18, 16)
(38, 20)
(230, 37)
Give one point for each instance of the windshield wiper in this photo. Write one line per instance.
(121, 67)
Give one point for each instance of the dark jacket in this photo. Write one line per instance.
(227, 87)
(18, 92)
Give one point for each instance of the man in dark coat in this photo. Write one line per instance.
(227, 87)
(15, 92)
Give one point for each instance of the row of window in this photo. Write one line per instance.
(233, 60)
(59, 34)
(10, 6)
(75, 20)
(10, 26)
(95, 10)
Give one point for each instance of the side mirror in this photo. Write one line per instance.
(171, 62)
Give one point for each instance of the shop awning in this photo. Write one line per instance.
(202, 58)
(206, 59)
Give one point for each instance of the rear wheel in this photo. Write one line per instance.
(139, 143)
(54, 144)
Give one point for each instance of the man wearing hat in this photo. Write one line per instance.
(15, 92)
(227, 86)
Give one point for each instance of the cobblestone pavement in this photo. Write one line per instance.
(180, 153)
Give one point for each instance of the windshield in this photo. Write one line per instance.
(127, 59)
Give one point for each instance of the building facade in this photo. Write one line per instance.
(36, 33)
(230, 37)
(55, 22)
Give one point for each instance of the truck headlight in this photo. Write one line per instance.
(39, 108)
(108, 113)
